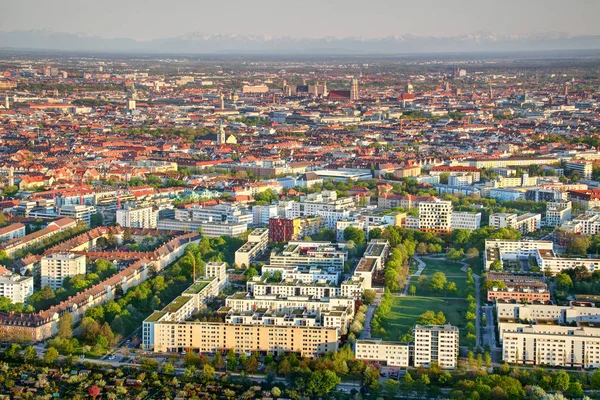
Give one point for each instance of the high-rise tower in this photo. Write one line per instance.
(354, 90)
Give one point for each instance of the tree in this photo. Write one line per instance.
(487, 359)
(412, 290)
(355, 234)
(455, 254)
(496, 266)
(438, 281)
(168, 369)
(561, 381)
(51, 355)
(472, 253)
(94, 391)
(29, 354)
(369, 296)
(564, 282)
(10, 190)
(421, 248)
(451, 287)
(208, 373)
(149, 365)
(276, 392)
(65, 326)
(595, 380)
(578, 244)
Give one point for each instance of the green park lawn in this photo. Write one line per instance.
(433, 265)
(406, 310)
(460, 282)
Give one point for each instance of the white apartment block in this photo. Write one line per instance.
(435, 215)
(513, 249)
(351, 288)
(552, 345)
(243, 301)
(304, 274)
(310, 254)
(394, 354)
(583, 167)
(15, 287)
(542, 251)
(78, 212)
(262, 214)
(525, 223)
(141, 217)
(56, 267)
(324, 204)
(12, 231)
(557, 213)
(208, 229)
(465, 220)
(436, 343)
(222, 213)
(460, 180)
(217, 270)
(565, 314)
(253, 248)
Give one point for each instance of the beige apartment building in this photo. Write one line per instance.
(210, 337)
(56, 267)
(436, 343)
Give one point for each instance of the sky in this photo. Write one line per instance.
(153, 19)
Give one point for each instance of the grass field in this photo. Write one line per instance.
(433, 265)
(461, 286)
(406, 310)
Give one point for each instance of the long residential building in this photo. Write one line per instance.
(432, 343)
(253, 248)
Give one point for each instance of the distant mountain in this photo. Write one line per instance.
(198, 43)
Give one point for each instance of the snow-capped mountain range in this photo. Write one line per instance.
(200, 43)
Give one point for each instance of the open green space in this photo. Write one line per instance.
(433, 265)
(462, 289)
(406, 310)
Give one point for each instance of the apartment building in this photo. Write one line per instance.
(243, 301)
(456, 171)
(137, 217)
(310, 254)
(436, 343)
(286, 229)
(208, 229)
(210, 337)
(585, 199)
(519, 287)
(58, 266)
(393, 354)
(221, 213)
(525, 223)
(552, 345)
(435, 215)
(465, 220)
(557, 213)
(512, 250)
(253, 248)
(582, 167)
(17, 288)
(217, 270)
(262, 214)
(192, 300)
(304, 274)
(12, 231)
(78, 212)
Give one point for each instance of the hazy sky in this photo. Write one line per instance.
(150, 19)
